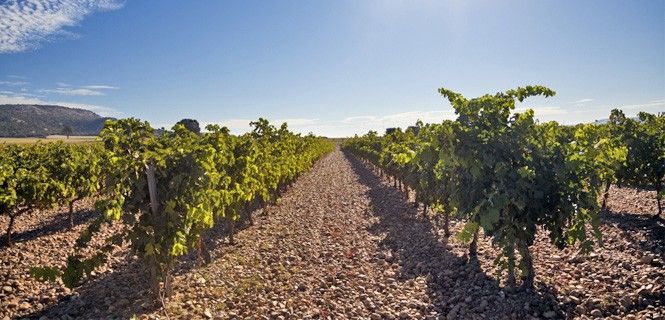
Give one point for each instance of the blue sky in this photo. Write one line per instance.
(331, 67)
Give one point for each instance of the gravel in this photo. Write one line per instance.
(343, 244)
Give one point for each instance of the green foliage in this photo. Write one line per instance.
(505, 173)
(41, 176)
(467, 231)
(644, 139)
(199, 178)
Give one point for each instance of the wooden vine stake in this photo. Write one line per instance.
(155, 211)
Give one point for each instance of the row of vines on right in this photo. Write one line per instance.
(510, 176)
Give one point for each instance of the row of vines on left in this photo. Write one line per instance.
(166, 188)
(46, 175)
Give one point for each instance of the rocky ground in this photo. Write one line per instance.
(341, 243)
(44, 238)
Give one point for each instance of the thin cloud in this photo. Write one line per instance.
(297, 122)
(22, 99)
(69, 90)
(100, 87)
(402, 119)
(74, 92)
(583, 101)
(24, 24)
(8, 98)
(13, 83)
(601, 112)
(544, 111)
(647, 105)
(23, 94)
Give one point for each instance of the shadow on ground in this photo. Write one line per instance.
(216, 238)
(56, 224)
(455, 285)
(630, 223)
(124, 293)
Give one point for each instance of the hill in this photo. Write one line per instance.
(19, 120)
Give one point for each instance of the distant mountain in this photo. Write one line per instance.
(606, 120)
(22, 120)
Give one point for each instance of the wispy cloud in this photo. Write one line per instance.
(24, 24)
(581, 101)
(69, 90)
(7, 97)
(656, 105)
(100, 87)
(298, 122)
(544, 111)
(13, 83)
(23, 94)
(74, 92)
(659, 103)
(402, 119)
(602, 111)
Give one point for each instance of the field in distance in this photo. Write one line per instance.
(51, 138)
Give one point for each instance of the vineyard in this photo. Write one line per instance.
(491, 215)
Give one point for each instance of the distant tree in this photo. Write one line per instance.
(413, 129)
(191, 125)
(67, 131)
(160, 131)
(390, 130)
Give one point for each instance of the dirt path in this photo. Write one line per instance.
(317, 254)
